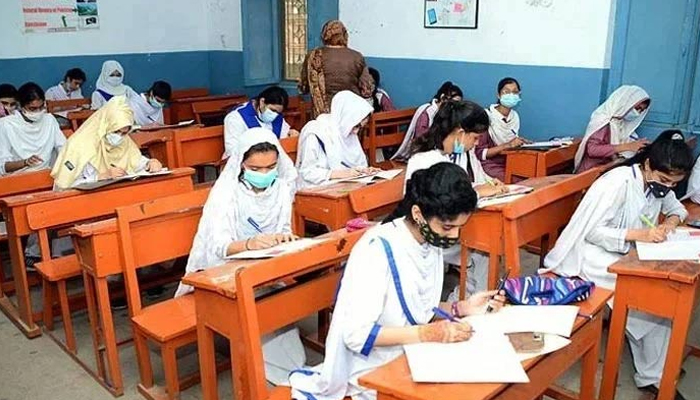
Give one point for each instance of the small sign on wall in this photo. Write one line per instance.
(47, 16)
(455, 14)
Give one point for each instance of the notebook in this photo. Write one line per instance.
(684, 244)
(279, 250)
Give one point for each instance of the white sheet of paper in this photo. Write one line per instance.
(284, 248)
(388, 175)
(485, 358)
(3, 228)
(499, 200)
(141, 173)
(550, 143)
(557, 320)
(684, 244)
(552, 343)
(183, 123)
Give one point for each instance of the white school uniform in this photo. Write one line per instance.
(103, 87)
(595, 238)
(58, 93)
(144, 113)
(502, 129)
(694, 183)
(390, 280)
(404, 151)
(235, 126)
(327, 143)
(20, 140)
(477, 275)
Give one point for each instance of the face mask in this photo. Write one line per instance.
(434, 239)
(34, 116)
(260, 180)
(114, 139)
(659, 190)
(632, 115)
(510, 100)
(155, 103)
(115, 80)
(458, 147)
(268, 116)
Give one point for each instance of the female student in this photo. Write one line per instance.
(451, 138)
(611, 217)
(391, 284)
(148, 107)
(101, 149)
(8, 99)
(109, 84)
(69, 88)
(380, 98)
(694, 183)
(503, 131)
(250, 208)
(611, 130)
(423, 118)
(29, 139)
(329, 147)
(263, 111)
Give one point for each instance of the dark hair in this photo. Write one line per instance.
(161, 89)
(263, 147)
(274, 95)
(668, 153)
(7, 90)
(452, 115)
(29, 92)
(505, 81)
(443, 191)
(377, 78)
(448, 90)
(75, 74)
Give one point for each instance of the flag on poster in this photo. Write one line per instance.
(42, 16)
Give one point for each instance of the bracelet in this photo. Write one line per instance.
(246, 244)
(455, 309)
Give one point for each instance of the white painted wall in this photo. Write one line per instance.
(567, 33)
(131, 26)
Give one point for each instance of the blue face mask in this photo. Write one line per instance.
(510, 100)
(268, 116)
(155, 103)
(458, 147)
(260, 180)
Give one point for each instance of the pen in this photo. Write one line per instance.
(514, 132)
(501, 285)
(647, 221)
(444, 314)
(587, 316)
(345, 164)
(254, 225)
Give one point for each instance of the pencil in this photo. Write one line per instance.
(647, 221)
(501, 285)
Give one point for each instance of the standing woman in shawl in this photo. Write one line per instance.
(329, 147)
(250, 208)
(333, 68)
(101, 149)
(29, 139)
(611, 131)
(110, 84)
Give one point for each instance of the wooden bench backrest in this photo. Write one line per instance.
(386, 129)
(198, 146)
(189, 92)
(377, 199)
(261, 316)
(290, 146)
(25, 182)
(215, 109)
(295, 113)
(77, 118)
(168, 224)
(54, 106)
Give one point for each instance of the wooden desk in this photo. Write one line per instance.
(533, 163)
(179, 94)
(100, 202)
(393, 381)
(330, 205)
(181, 109)
(668, 289)
(63, 106)
(385, 129)
(159, 145)
(197, 146)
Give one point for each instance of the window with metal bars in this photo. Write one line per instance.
(294, 37)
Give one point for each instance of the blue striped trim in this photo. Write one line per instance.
(320, 143)
(308, 395)
(397, 281)
(369, 343)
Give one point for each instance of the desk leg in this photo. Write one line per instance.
(493, 270)
(589, 362)
(679, 335)
(22, 315)
(512, 250)
(300, 227)
(110, 337)
(616, 336)
(465, 253)
(207, 362)
(89, 283)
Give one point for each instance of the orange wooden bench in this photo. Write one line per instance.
(525, 163)
(56, 106)
(290, 146)
(295, 113)
(199, 148)
(159, 144)
(210, 111)
(77, 118)
(178, 94)
(385, 129)
(181, 108)
(225, 304)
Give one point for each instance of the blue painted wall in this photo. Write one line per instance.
(557, 101)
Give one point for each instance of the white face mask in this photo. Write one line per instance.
(114, 139)
(115, 80)
(34, 116)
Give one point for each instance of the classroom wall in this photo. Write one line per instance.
(559, 50)
(186, 42)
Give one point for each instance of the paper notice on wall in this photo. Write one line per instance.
(48, 16)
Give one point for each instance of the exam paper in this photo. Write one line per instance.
(284, 248)
(557, 320)
(683, 244)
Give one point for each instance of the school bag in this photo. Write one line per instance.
(545, 291)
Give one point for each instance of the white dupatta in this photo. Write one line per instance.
(404, 151)
(503, 129)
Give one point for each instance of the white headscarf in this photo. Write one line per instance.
(144, 112)
(231, 203)
(620, 102)
(503, 129)
(102, 81)
(335, 130)
(404, 151)
(27, 139)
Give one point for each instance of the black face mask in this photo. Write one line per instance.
(435, 239)
(659, 190)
